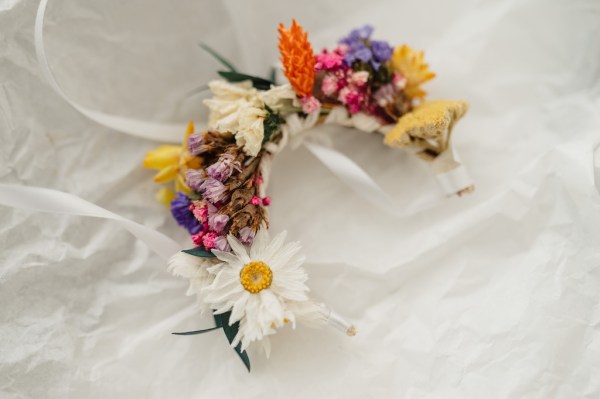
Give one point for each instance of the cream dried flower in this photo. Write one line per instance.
(195, 269)
(239, 108)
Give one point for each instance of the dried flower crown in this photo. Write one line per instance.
(252, 285)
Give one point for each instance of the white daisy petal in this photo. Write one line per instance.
(284, 255)
(223, 294)
(225, 256)
(274, 246)
(238, 249)
(239, 308)
(266, 345)
(259, 244)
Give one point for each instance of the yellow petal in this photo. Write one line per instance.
(188, 132)
(166, 174)
(163, 156)
(181, 185)
(190, 161)
(165, 196)
(412, 66)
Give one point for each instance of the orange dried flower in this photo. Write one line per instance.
(297, 58)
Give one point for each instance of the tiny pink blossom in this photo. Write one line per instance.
(399, 81)
(201, 213)
(310, 104)
(255, 200)
(329, 85)
(266, 201)
(197, 238)
(351, 98)
(342, 48)
(327, 60)
(209, 240)
(360, 78)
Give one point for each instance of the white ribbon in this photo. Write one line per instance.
(153, 131)
(352, 175)
(450, 173)
(46, 200)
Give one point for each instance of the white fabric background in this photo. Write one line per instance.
(495, 295)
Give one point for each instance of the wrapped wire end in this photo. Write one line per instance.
(341, 324)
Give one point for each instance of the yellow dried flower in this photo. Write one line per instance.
(430, 121)
(411, 65)
(172, 161)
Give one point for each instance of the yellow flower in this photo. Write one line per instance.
(428, 123)
(165, 195)
(172, 161)
(411, 65)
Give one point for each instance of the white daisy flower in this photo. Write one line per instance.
(263, 288)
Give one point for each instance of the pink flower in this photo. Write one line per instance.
(330, 85)
(351, 98)
(255, 200)
(399, 81)
(310, 104)
(201, 213)
(327, 60)
(197, 238)
(266, 201)
(342, 49)
(384, 95)
(209, 240)
(360, 78)
(246, 235)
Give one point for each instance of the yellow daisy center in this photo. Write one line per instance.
(256, 276)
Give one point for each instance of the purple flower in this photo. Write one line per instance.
(385, 95)
(361, 53)
(194, 178)
(217, 222)
(358, 35)
(213, 190)
(221, 244)
(361, 48)
(246, 235)
(195, 142)
(223, 168)
(180, 208)
(381, 50)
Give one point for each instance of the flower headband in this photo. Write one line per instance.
(251, 284)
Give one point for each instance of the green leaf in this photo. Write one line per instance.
(258, 83)
(218, 57)
(273, 74)
(199, 252)
(222, 320)
(194, 196)
(197, 331)
(271, 123)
